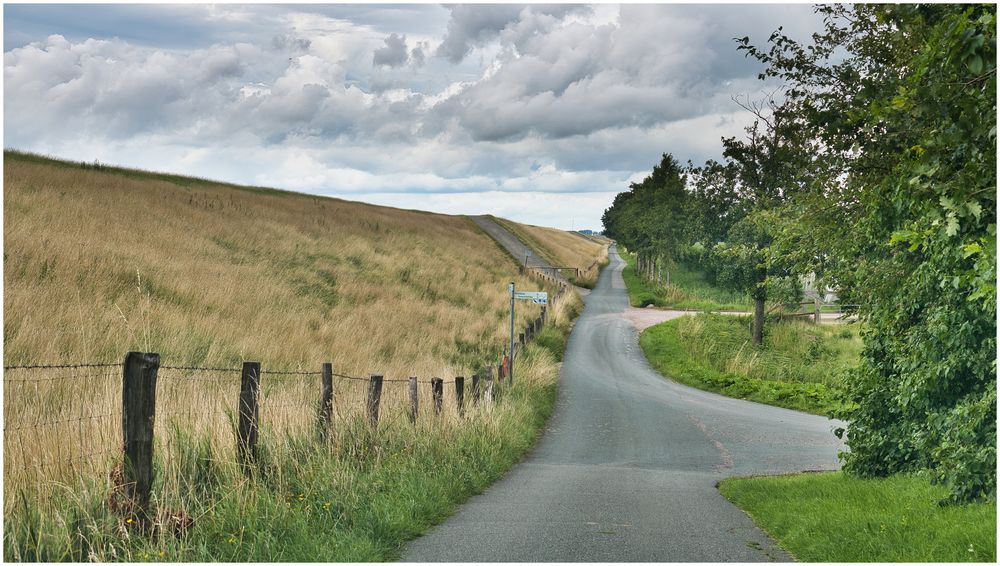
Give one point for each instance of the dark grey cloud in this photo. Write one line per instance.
(393, 53)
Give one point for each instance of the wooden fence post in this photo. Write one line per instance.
(476, 391)
(816, 313)
(437, 393)
(544, 313)
(138, 416)
(413, 399)
(489, 385)
(374, 397)
(460, 395)
(246, 442)
(326, 401)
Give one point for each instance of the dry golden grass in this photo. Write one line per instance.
(563, 249)
(98, 263)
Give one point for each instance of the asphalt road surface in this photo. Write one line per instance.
(627, 466)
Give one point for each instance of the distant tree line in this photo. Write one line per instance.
(874, 168)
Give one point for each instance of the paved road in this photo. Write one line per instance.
(516, 247)
(627, 467)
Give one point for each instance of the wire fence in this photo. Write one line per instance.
(66, 420)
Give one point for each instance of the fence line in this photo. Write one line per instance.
(139, 389)
(140, 376)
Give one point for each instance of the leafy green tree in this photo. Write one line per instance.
(898, 206)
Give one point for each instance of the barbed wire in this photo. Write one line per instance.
(219, 380)
(350, 377)
(291, 372)
(196, 368)
(60, 366)
(60, 378)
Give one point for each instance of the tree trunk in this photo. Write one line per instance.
(758, 320)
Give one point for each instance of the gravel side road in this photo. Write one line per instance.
(627, 467)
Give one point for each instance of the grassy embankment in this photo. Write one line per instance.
(800, 366)
(99, 261)
(831, 517)
(564, 249)
(688, 290)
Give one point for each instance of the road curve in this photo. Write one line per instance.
(627, 466)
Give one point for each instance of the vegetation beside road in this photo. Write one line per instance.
(831, 517)
(801, 365)
(872, 171)
(356, 499)
(100, 260)
(688, 290)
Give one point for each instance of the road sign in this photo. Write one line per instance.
(539, 297)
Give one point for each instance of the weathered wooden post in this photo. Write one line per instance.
(816, 310)
(544, 314)
(374, 397)
(476, 390)
(489, 385)
(246, 442)
(326, 400)
(460, 395)
(437, 393)
(138, 417)
(413, 399)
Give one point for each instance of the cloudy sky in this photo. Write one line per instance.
(539, 113)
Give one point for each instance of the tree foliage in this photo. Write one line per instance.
(876, 170)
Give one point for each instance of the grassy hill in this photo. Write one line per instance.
(564, 249)
(99, 261)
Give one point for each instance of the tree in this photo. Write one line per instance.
(899, 205)
(763, 164)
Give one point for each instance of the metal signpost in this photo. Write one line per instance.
(537, 297)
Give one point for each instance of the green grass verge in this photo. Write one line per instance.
(688, 290)
(831, 517)
(800, 366)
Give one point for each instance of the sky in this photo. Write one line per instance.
(538, 113)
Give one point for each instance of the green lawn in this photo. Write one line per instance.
(688, 289)
(831, 517)
(800, 366)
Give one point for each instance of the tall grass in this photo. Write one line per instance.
(800, 366)
(102, 261)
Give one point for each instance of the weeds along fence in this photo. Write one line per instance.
(63, 422)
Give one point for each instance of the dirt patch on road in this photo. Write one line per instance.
(642, 319)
